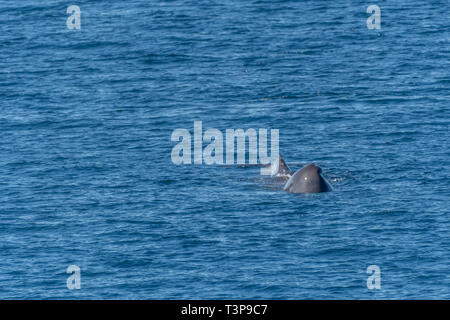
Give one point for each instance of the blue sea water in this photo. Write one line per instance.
(86, 176)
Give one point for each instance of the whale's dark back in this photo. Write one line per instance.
(307, 180)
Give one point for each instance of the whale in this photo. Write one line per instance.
(308, 179)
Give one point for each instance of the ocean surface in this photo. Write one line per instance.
(87, 179)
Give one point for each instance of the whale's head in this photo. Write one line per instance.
(308, 179)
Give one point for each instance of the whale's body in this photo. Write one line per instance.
(308, 179)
